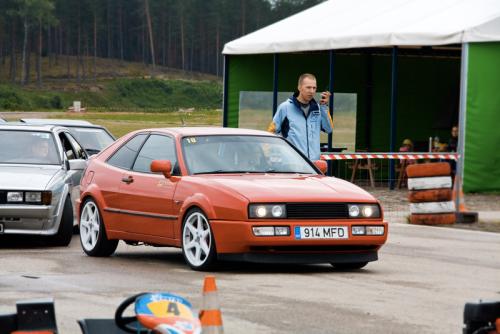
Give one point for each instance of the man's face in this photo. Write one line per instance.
(454, 132)
(307, 89)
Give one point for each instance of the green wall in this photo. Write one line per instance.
(482, 138)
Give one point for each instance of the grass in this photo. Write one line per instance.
(120, 123)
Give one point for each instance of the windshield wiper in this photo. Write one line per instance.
(284, 172)
(220, 171)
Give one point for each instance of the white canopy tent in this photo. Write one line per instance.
(344, 24)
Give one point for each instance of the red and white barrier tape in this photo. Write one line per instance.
(403, 156)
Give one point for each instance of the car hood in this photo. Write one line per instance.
(290, 188)
(22, 177)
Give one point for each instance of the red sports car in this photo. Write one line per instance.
(225, 194)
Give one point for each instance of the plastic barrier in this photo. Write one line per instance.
(431, 194)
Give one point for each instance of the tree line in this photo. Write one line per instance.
(181, 34)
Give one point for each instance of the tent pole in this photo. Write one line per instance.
(331, 55)
(461, 123)
(275, 83)
(225, 75)
(394, 84)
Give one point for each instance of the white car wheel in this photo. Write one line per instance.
(93, 236)
(197, 240)
(89, 226)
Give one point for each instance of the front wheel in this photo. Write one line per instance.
(65, 230)
(92, 232)
(198, 245)
(349, 265)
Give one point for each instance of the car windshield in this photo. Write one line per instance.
(28, 147)
(93, 140)
(242, 154)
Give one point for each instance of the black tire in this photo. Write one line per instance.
(101, 246)
(208, 261)
(349, 265)
(65, 231)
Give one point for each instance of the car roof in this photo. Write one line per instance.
(62, 122)
(28, 127)
(204, 131)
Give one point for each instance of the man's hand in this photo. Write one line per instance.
(325, 97)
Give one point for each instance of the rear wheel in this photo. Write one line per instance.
(198, 245)
(65, 230)
(349, 265)
(92, 232)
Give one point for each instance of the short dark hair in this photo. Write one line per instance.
(306, 75)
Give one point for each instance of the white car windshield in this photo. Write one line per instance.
(28, 147)
(91, 139)
(242, 154)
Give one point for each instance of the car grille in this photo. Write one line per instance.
(317, 210)
(3, 197)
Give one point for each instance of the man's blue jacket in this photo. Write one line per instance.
(301, 130)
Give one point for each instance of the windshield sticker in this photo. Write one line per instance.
(41, 135)
(191, 140)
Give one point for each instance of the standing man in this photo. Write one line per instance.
(300, 119)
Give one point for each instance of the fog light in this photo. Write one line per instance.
(282, 230)
(263, 231)
(375, 230)
(358, 230)
(15, 196)
(33, 196)
(353, 210)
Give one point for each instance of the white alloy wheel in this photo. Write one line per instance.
(197, 240)
(89, 226)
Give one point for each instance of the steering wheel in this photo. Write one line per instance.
(124, 323)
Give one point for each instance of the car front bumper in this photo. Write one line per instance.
(28, 219)
(235, 241)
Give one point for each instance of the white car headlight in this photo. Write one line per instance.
(363, 210)
(267, 211)
(33, 196)
(14, 197)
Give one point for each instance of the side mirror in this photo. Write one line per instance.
(322, 165)
(162, 166)
(77, 164)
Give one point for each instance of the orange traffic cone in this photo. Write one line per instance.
(461, 214)
(210, 315)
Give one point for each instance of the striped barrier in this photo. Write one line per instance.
(431, 195)
(400, 156)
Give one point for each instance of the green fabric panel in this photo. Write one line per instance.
(252, 72)
(427, 99)
(482, 138)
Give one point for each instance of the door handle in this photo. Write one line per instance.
(129, 179)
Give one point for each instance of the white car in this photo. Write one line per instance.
(40, 171)
(92, 137)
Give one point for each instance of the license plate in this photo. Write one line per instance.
(321, 232)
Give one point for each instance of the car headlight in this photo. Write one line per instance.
(363, 210)
(267, 211)
(15, 196)
(30, 197)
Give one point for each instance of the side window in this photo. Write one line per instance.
(157, 147)
(68, 150)
(125, 156)
(80, 152)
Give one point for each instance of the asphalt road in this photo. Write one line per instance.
(419, 285)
